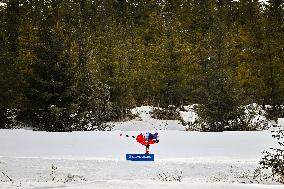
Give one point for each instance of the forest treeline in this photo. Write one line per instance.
(66, 63)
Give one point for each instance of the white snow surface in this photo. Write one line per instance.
(281, 122)
(96, 159)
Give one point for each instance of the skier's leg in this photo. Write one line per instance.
(147, 148)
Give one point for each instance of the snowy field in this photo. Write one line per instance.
(42, 160)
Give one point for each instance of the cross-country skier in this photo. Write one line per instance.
(147, 139)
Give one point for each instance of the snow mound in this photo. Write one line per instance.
(189, 115)
(145, 122)
(255, 117)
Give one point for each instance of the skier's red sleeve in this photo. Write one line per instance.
(140, 138)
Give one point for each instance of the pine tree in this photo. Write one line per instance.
(10, 82)
(220, 107)
(248, 36)
(273, 52)
(50, 85)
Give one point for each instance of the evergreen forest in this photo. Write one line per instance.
(66, 63)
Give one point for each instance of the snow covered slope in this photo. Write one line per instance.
(96, 160)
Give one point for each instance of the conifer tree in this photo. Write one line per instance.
(272, 50)
(10, 95)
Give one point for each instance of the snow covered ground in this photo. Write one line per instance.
(42, 160)
(145, 122)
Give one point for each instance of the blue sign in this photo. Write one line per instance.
(140, 157)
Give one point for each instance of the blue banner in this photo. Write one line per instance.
(140, 157)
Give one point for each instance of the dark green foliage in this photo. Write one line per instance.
(61, 90)
(10, 80)
(273, 113)
(274, 158)
(50, 86)
(74, 65)
(4, 120)
(168, 113)
(92, 106)
(220, 120)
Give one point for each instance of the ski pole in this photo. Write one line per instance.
(127, 136)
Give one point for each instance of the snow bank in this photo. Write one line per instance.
(255, 116)
(189, 115)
